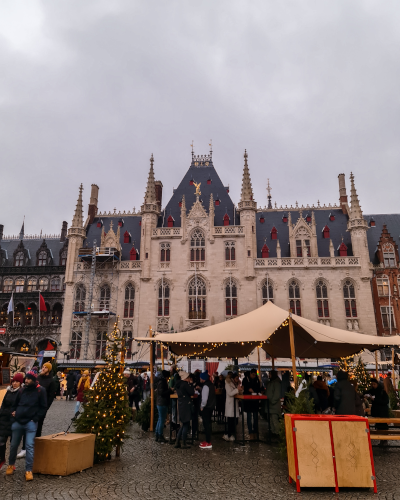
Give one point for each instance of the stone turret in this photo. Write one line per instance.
(94, 195)
(76, 235)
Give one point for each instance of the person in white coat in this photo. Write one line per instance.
(232, 387)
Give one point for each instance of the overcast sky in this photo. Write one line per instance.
(89, 89)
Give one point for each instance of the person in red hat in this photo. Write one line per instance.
(5, 413)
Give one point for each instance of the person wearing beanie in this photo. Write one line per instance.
(252, 386)
(46, 380)
(163, 394)
(5, 413)
(207, 406)
(185, 393)
(28, 409)
(83, 386)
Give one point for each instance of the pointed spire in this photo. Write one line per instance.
(331, 249)
(355, 210)
(77, 221)
(269, 195)
(150, 196)
(22, 232)
(247, 190)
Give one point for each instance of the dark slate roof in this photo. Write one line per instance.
(337, 230)
(32, 245)
(200, 174)
(392, 222)
(131, 224)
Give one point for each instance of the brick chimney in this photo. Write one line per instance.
(64, 229)
(1, 231)
(159, 187)
(92, 212)
(343, 193)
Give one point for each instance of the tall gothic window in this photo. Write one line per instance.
(389, 257)
(42, 259)
(55, 285)
(267, 292)
(197, 246)
(32, 283)
(80, 298)
(105, 294)
(165, 252)
(349, 295)
(7, 285)
(76, 342)
(299, 248)
(383, 285)
(322, 300)
(231, 302)
(230, 251)
(294, 297)
(163, 299)
(19, 285)
(197, 298)
(129, 306)
(101, 342)
(43, 284)
(19, 259)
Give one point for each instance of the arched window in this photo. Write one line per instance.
(19, 285)
(105, 294)
(197, 298)
(42, 259)
(32, 284)
(19, 259)
(294, 297)
(80, 298)
(389, 257)
(349, 295)
(322, 299)
(197, 246)
(43, 284)
(101, 343)
(76, 342)
(230, 251)
(163, 299)
(267, 292)
(7, 285)
(4, 315)
(129, 305)
(55, 285)
(383, 285)
(231, 298)
(165, 252)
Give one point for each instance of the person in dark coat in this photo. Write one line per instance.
(207, 405)
(345, 395)
(219, 384)
(184, 392)
(163, 394)
(70, 384)
(252, 386)
(322, 390)
(359, 400)
(46, 380)
(136, 392)
(5, 413)
(380, 405)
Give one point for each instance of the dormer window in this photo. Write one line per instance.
(42, 259)
(342, 250)
(331, 217)
(140, 223)
(284, 218)
(262, 220)
(226, 220)
(209, 181)
(265, 252)
(191, 182)
(170, 221)
(127, 237)
(372, 222)
(308, 218)
(217, 203)
(274, 233)
(19, 259)
(325, 232)
(121, 222)
(180, 204)
(99, 223)
(133, 254)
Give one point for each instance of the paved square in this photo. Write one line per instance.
(149, 471)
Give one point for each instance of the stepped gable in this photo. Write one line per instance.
(131, 224)
(32, 245)
(392, 222)
(201, 173)
(338, 229)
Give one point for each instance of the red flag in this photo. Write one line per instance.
(49, 347)
(42, 305)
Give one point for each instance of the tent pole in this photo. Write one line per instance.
(393, 375)
(259, 364)
(376, 366)
(151, 381)
(292, 350)
(162, 357)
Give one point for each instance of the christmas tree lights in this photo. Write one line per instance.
(106, 413)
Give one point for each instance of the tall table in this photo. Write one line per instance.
(247, 397)
(175, 396)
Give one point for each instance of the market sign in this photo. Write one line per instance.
(2, 331)
(49, 354)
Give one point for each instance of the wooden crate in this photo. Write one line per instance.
(329, 451)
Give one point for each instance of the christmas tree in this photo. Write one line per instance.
(359, 373)
(107, 411)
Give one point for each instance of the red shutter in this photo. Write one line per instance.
(265, 252)
(226, 220)
(217, 203)
(326, 232)
(133, 254)
(127, 237)
(262, 220)
(170, 221)
(342, 250)
(274, 233)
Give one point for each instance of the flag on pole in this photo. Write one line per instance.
(11, 304)
(42, 305)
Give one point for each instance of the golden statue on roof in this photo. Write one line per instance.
(197, 186)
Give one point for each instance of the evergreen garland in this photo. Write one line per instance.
(107, 413)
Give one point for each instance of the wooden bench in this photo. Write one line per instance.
(392, 434)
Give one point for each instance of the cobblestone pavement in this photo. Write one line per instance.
(147, 470)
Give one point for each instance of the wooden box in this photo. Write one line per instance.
(329, 451)
(61, 455)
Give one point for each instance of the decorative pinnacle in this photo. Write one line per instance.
(77, 221)
(355, 210)
(269, 195)
(247, 190)
(150, 196)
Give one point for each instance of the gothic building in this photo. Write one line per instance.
(201, 260)
(30, 264)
